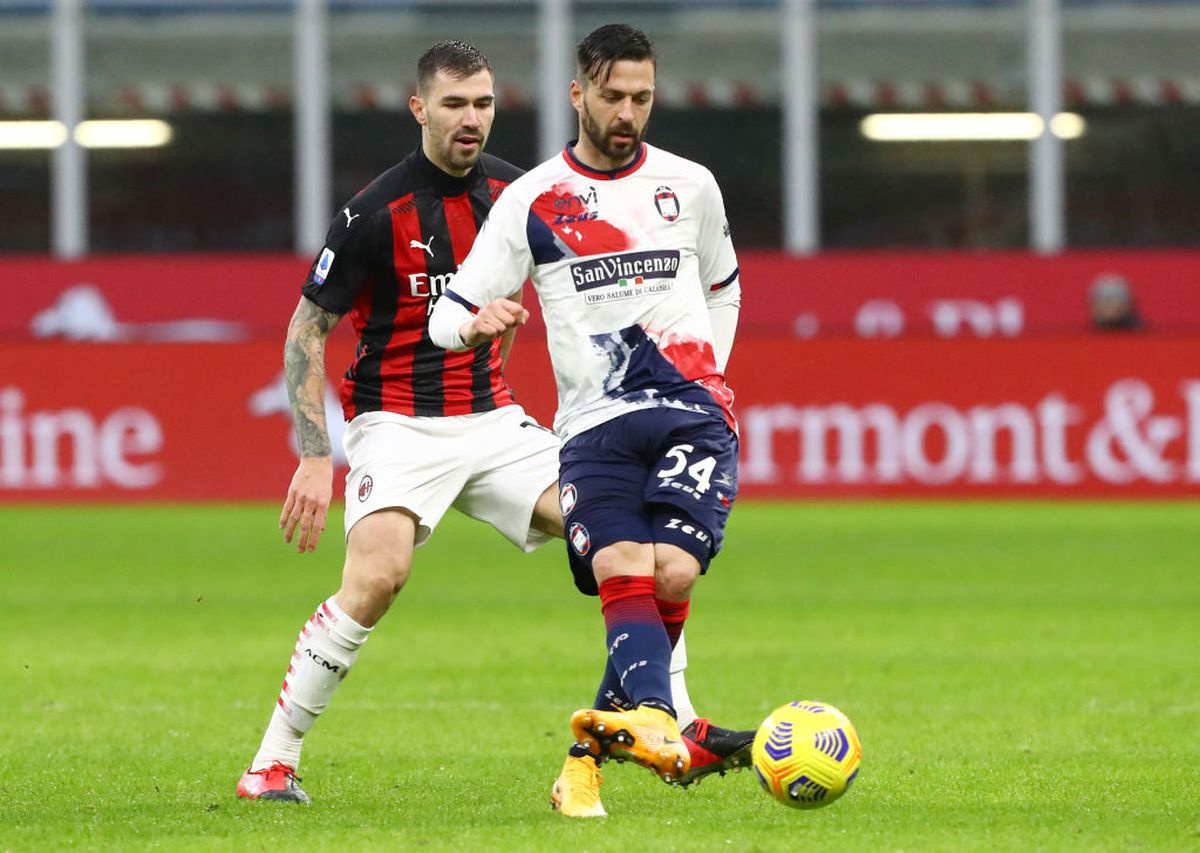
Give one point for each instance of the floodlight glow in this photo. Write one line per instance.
(31, 135)
(1068, 125)
(967, 127)
(140, 133)
(136, 133)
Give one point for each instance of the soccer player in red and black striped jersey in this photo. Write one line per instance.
(428, 429)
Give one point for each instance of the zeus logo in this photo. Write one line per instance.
(568, 218)
(320, 661)
(688, 529)
(618, 701)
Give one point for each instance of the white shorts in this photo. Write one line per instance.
(492, 466)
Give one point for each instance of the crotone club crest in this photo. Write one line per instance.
(667, 203)
(567, 498)
(580, 540)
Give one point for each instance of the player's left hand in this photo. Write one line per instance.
(307, 502)
(492, 321)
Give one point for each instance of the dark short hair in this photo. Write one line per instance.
(608, 44)
(457, 58)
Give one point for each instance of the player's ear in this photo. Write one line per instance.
(577, 94)
(416, 106)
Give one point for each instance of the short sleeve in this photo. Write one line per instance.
(344, 264)
(718, 261)
(500, 260)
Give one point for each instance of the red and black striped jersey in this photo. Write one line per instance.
(390, 253)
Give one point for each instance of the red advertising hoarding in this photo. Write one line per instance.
(1047, 417)
(884, 295)
(1053, 417)
(950, 295)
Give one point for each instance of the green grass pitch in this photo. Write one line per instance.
(1023, 677)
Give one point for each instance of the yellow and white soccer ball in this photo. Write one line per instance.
(806, 754)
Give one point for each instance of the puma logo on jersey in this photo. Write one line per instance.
(349, 218)
(417, 244)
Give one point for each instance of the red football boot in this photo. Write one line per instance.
(277, 782)
(714, 749)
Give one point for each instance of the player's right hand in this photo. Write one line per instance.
(307, 502)
(492, 321)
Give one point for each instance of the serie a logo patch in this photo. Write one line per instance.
(323, 265)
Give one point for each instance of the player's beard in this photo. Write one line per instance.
(460, 160)
(603, 142)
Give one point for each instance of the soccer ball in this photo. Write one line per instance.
(806, 754)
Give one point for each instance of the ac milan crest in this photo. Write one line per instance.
(364, 488)
(667, 203)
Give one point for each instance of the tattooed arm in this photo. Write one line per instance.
(311, 488)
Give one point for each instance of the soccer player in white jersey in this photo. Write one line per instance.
(426, 431)
(629, 250)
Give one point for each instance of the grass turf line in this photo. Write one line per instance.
(1022, 676)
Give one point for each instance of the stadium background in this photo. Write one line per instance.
(1016, 646)
(916, 319)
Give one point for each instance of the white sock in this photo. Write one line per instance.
(684, 712)
(325, 651)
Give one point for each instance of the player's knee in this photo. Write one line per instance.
(384, 579)
(623, 559)
(370, 586)
(675, 572)
(378, 572)
(379, 557)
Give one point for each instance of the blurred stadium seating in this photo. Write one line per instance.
(222, 73)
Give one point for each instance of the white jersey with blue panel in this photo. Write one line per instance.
(626, 265)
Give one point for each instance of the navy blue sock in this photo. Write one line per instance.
(639, 652)
(611, 694)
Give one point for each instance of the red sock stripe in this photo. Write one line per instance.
(673, 612)
(628, 599)
(623, 587)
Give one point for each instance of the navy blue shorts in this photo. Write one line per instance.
(657, 475)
